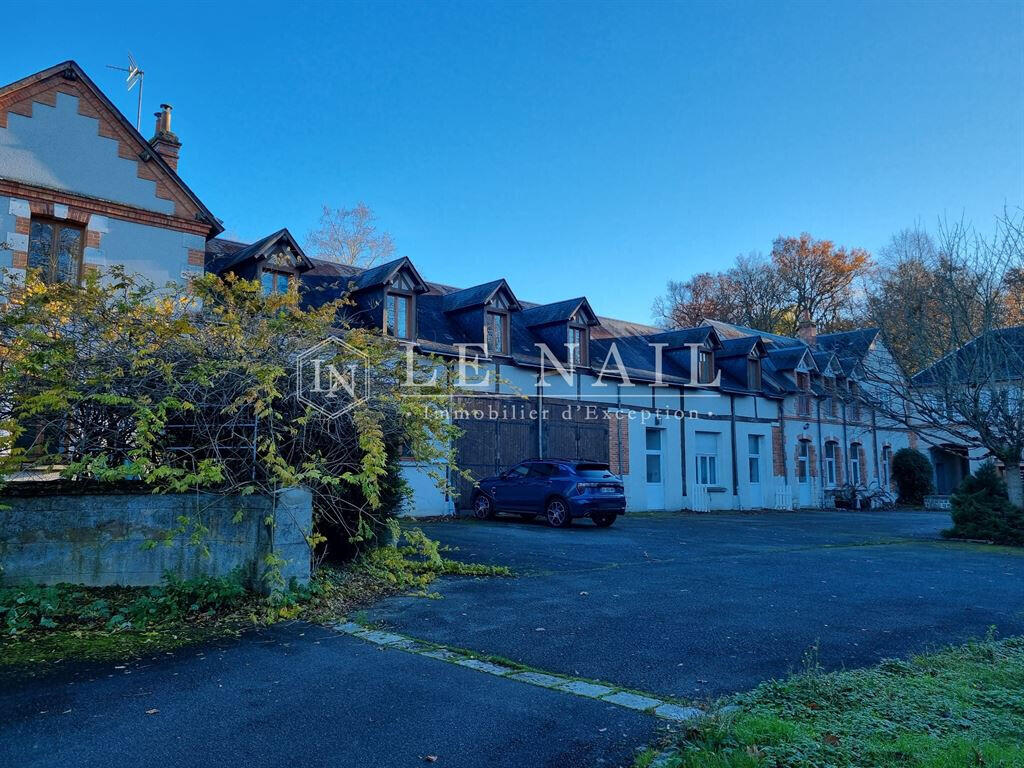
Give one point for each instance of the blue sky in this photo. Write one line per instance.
(595, 149)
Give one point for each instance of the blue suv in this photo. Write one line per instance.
(559, 489)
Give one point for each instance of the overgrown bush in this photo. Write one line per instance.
(912, 473)
(982, 509)
(65, 606)
(195, 388)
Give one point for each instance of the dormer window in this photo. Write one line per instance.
(754, 373)
(400, 307)
(274, 281)
(496, 332)
(705, 366)
(277, 271)
(399, 316)
(577, 344)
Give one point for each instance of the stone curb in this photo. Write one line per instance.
(610, 694)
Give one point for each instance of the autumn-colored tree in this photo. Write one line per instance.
(818, 277)
(350, 236)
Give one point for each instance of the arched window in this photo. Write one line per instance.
(855, 463)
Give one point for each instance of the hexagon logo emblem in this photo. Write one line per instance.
(333, 377)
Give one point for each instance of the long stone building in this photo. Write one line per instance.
(712, 417)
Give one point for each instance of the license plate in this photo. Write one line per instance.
(607, 489)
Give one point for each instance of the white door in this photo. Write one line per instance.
(803, 473)
(755, 471)
(655, 469)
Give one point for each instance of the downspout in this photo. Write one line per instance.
(821, 457)
(846, 448)
(682, 435)
(540, 416)
(732, 429)
(874, 447)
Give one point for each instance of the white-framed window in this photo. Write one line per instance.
(706, 445)
(754, 458)
(803, 461)
(653, 447)
(830, 462)
(855, 463)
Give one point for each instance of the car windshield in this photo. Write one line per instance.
(593, 471)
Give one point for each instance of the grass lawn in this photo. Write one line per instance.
(962, 706)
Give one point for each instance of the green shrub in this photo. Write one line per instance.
(912, 473)
(982, 509)
(67, 605)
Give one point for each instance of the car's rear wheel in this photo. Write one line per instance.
(557, 514)
(483, 509)
(603, 519)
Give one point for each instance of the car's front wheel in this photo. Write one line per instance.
(603, 519)
(557, 514)
(483, 509)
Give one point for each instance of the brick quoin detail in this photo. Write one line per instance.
(778, 453)
(19, 260)
(618, 440)
(196, 258)
(128, 146)
(45, 199)
(913, 440)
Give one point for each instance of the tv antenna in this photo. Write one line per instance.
(135, 75)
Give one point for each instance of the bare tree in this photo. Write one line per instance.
(686, 303)
(971, 395)
(350, 236)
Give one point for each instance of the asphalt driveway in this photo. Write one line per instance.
(692, 606)
(683, 607)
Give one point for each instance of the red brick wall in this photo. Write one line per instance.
(778, 453)
(618, 443)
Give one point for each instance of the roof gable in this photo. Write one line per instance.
(401, 270)
(576, 310)
(66, 89)
(496, 293)
(276, 249)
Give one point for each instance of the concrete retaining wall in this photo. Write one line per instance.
(101, 540)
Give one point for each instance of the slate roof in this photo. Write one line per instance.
(848, 343)
(439, 331)
(733, 331)
(559, 312)
(786, 358)
(476, 296)
(998, 355)
(223, 255)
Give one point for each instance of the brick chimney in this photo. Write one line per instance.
(806, 329)
(164, 141)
